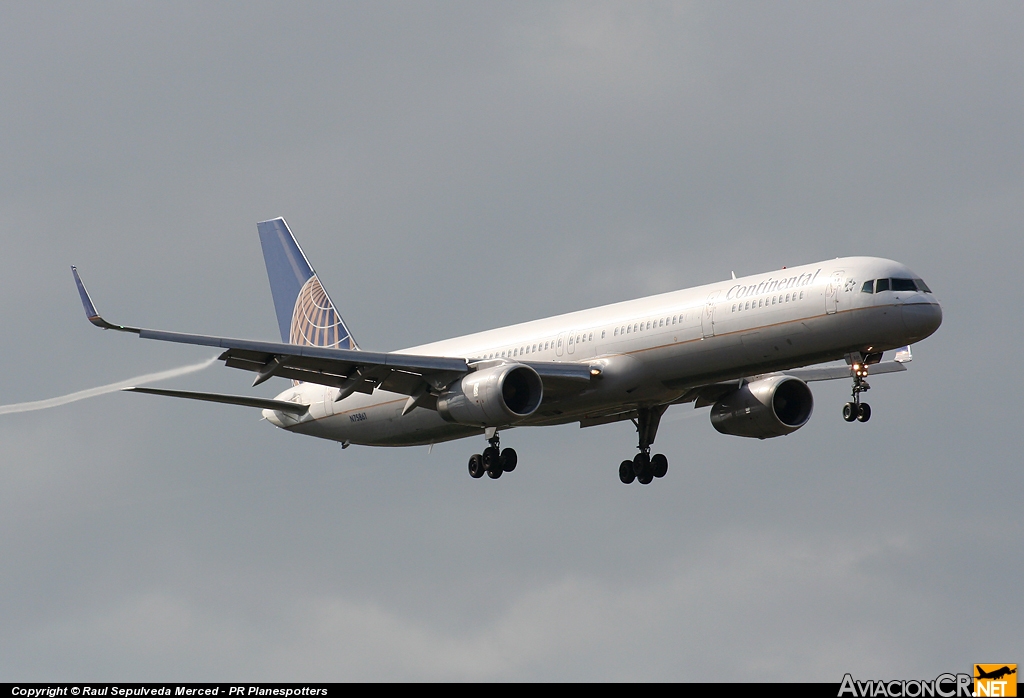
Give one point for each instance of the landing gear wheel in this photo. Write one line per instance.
(659, 465)
(508, 459)
(494, 473)
(490, 458)
(476, 465)
(850, 411)
(626, 474)
(645, 479)
(642, 466)
(863, 412)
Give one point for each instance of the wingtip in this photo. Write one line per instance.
(91, 313)
(87, 304)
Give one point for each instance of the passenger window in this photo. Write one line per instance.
(868, 287)
(881, 285)
(602, 333)
(801, 295)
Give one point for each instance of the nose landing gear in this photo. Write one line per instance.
(857, 411)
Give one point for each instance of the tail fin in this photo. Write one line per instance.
(305, 313)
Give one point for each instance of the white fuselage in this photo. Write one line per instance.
(652, 350)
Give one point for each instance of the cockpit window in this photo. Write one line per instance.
(896, 285)
(868, 287)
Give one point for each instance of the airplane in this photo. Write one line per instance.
(745, 347)
(996, 674)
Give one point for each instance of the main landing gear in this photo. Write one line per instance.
(493, 460)
(645, 467)
(857, 411)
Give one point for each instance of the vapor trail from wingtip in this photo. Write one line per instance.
(104, 389)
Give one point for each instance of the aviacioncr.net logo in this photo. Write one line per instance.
(942, 686)
(995, 680)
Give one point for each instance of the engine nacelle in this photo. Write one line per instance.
(492, 397)
(765, 408)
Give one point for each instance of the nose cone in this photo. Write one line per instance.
(921, 319)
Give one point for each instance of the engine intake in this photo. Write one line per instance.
(492, 397)
(765, 408)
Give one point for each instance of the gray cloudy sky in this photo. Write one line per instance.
(451, 167)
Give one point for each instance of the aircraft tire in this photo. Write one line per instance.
(494, 473)
(863, 412)
(490, 458)
(509, 459)
(476, 466)
(645, 479)
(659, 465)
(626, 474)
(641, 465)
(850, 411)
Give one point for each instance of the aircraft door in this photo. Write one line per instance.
(707, 316)
(832, 290)
(571, 343)
(559, 344)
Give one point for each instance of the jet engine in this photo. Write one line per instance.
(765, 408)
(492, 397)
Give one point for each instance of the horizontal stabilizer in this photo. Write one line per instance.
(245, 401)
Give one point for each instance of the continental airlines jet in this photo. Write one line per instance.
(739, 347)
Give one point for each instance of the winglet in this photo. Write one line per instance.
(90, 309)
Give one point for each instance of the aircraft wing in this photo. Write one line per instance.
(348, 370)
(839, 372)
(705, 395)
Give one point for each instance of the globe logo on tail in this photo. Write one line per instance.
(315, 322)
